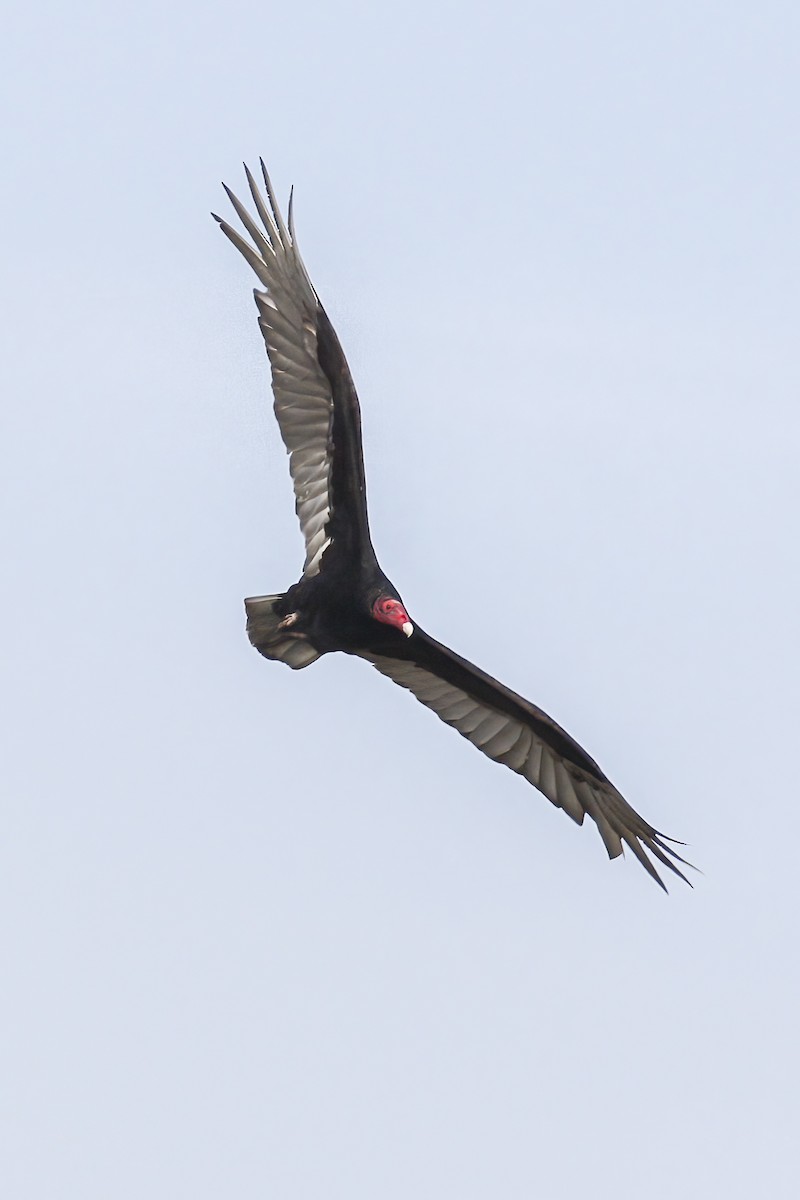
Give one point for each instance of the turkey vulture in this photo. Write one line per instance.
(343, 600)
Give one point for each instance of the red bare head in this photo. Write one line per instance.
(391, 612)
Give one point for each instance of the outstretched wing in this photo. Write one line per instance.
(515, 732)
(315, 401)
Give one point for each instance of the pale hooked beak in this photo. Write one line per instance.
(408, 629)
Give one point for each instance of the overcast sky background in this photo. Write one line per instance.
(267, 933)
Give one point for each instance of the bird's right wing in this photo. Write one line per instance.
(315, 401)
(512, 731)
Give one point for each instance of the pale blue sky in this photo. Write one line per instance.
(285, 935)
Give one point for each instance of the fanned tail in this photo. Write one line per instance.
(273, 638)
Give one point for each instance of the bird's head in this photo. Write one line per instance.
(390, 611)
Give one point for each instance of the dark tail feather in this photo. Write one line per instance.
(264, 631)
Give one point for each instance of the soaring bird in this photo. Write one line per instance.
(343, 600)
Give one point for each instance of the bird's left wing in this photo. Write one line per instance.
(512, 731)
(315, 401)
